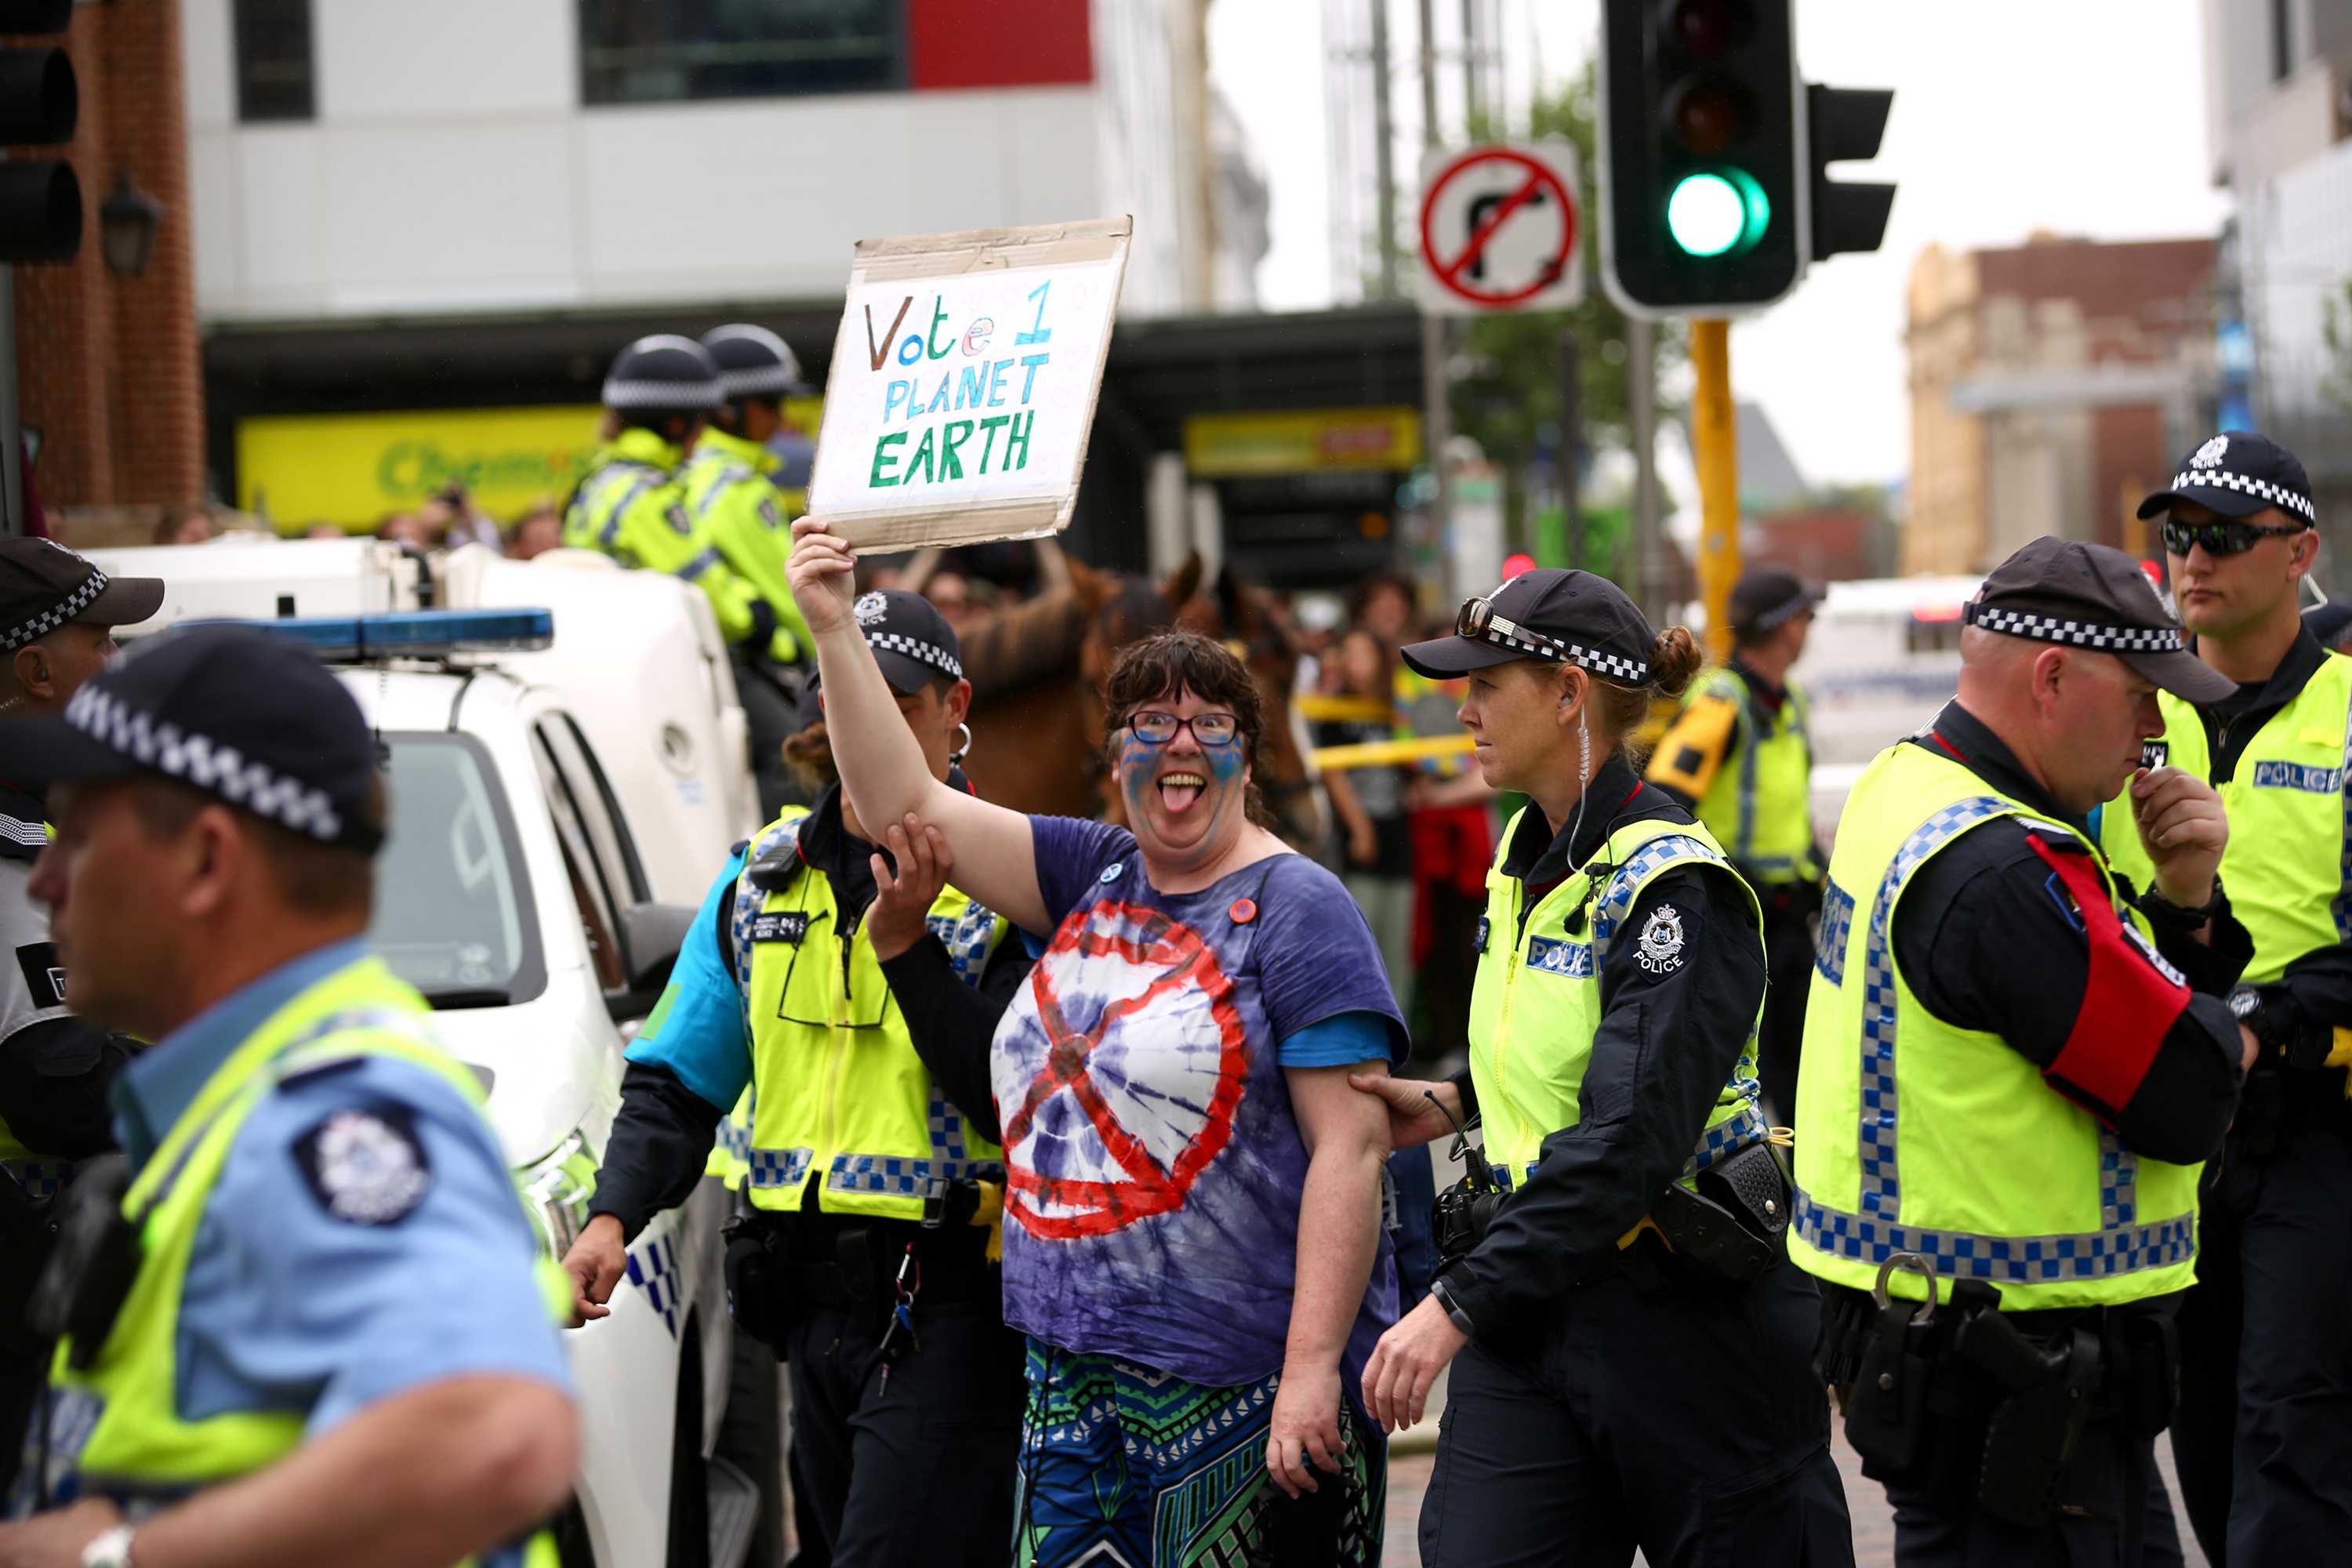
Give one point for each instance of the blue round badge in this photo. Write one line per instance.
(1112, 871)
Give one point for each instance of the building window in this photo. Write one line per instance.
(274, 78)
(2282, 40)
(663, 51)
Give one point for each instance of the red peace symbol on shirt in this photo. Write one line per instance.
(1148, 942)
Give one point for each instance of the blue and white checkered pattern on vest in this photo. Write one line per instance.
(1876, 1233)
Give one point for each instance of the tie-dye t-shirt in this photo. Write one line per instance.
(1155, 1166)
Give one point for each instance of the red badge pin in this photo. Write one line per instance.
(1243, 911)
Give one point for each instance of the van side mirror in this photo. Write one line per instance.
(651, 937)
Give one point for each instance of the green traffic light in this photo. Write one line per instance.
(1716, 213)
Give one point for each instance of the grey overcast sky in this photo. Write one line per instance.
(2084, 116)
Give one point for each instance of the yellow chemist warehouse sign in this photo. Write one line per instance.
(354, 469)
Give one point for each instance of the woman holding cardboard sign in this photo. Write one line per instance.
(1193, 1243)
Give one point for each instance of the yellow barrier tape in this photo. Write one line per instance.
(1344, 709)
(1376, 753)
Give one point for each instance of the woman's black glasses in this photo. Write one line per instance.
(2221, 538)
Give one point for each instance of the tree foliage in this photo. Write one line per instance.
(1508, 394)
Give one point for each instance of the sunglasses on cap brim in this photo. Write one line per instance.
(2223, 536)
(1476, 619)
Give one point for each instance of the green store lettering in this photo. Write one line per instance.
(411, 470)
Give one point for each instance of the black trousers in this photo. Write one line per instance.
(1789, 972)
(2087, 1530)
(1687, 1422)
(915, 1471)
(2264, 1439)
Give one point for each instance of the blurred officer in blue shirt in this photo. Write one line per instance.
(303, 1316)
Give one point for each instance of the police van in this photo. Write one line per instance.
(538, 904)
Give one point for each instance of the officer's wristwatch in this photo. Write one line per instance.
(2279, 1027)
(2188, 918)
(112, 1549)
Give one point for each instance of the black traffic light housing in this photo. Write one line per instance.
(40, 102)
(1713, 155)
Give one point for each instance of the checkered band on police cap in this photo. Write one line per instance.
(916, 648)
(2075, 631)
(663, 372)
(57, 614)
(752, 361)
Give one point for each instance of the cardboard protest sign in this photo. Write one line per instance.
(964, 383)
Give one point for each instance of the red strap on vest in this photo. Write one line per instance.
(2128, 1004)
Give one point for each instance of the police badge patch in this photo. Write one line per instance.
(365, 1167)
(1661, 947)
(787, 926)
(2208, 455)
(870, 608)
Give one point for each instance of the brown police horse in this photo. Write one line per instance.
(1037, 672)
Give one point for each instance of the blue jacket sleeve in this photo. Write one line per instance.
(364, 1239)
(695, 1030)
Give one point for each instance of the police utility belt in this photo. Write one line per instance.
(1983, 1408)
(1731, 1231)
(781, 1267)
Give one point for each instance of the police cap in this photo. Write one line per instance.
(2237, 474)
(1574, 618)
(664, 373)
(752, 361)
(43, 587)
(1768, 596)
(230, 710)
(2094, 596)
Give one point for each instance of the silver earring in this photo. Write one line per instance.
(963, 751)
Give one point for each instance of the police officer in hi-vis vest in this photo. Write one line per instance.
(732, 498)
(1739, 757)
(2015, 1061)
(2264, 1438)
(57, 616)
(303, 1316)
(1628, 1353)
(856, 1009)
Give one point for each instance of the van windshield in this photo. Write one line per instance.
(453, 910)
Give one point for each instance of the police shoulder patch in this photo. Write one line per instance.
(677, 520)
(1661, 945)
(365, 1166)
(769, 515)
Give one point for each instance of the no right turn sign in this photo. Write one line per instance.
(1499, 226)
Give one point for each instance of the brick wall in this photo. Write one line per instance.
(108, 367)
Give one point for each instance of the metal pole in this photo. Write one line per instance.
(1715, 445)
(1429, 73)
(1437, 337)
(1473, 102)
(12, 437)
(1385, 148)
(1572, 442)
(1642, 415)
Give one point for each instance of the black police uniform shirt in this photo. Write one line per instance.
(662, 1137)
(2317, 986)
(1666, 1045)
(1986, 941)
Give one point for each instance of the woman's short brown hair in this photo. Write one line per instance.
(1167, 664)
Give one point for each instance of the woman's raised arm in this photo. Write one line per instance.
(881, 765)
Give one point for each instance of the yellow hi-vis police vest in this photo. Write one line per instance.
(1760, 808)
(1916, 1136)
(115, 1428)
(2288, 866)
(631, 506)
(838, 1093)
(738, 513)
(1535, 1004)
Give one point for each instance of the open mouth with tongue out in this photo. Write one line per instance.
(1179, 789)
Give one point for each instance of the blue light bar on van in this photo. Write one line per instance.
(416, 634)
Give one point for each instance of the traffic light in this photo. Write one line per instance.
(1702, 155)
(1713, 155)
(40, 201)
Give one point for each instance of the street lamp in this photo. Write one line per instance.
(127, 221)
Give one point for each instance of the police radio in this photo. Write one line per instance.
(1463, 1211)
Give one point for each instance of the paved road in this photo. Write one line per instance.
(1874, 1522)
